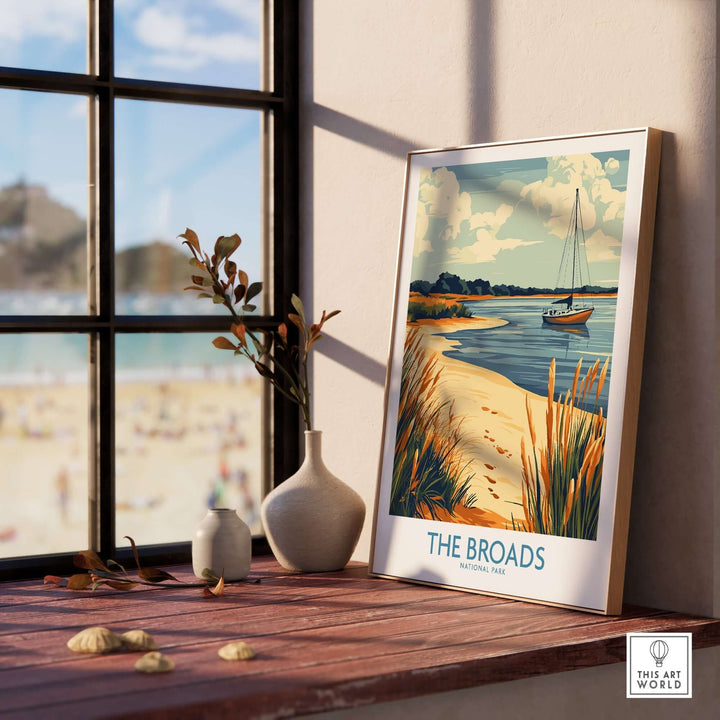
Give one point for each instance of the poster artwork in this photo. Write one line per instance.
(515, 298)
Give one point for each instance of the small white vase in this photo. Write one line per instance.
(222, 543)
(313, 520)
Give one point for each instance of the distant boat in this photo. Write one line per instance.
(573, 313)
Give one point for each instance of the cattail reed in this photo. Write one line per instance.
(561, 481)
(429, 472)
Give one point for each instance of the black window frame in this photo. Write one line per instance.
(281, 103)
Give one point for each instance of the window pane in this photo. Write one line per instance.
(43, 203)
(181, 166)
(188, 435)
(44, 34)
(190, 41)
(43, 444)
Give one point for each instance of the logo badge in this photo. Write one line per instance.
(659, 665)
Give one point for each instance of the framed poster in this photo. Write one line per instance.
(515, 364)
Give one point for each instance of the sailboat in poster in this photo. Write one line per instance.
(572, 258)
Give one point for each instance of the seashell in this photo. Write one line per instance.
(236, 651)
(94, 640)
(138, 640)
(154, 662)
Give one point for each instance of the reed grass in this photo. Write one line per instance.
(561, 481)
(436, 311)
(429, 472)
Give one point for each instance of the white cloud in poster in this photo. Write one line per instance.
(610, 200)
(611, 166)
(442, 198)
(602, 247)
(485, 248)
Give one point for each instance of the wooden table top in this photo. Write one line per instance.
(323, 641)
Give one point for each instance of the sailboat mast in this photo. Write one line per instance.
(575, 242)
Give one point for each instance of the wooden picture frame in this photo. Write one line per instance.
(512, 389)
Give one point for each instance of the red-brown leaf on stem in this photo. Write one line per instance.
(282, 332)
(296, 320)
(89, 560)
(119, 584)
(191, 239)
(238, 330)
(216, 591)
(55, 580)
(79, 581)
(155, 575)
(223, 343)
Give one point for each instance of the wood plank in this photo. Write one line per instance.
(338, 642)
(324, 641)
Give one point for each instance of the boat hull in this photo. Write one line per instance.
(574, 317)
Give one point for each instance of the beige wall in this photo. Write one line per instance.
(381, 78)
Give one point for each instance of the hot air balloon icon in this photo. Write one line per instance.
(659, 650)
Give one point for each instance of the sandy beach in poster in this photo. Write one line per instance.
(494, 420)
(180, 442)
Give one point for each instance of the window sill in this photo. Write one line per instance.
(324, 642)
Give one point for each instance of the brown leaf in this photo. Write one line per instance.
(79, 581)
(222, 343)
(264, 370)
(239, 291)
(134, 550)
(282, 332)
(118, 584)
(238, 331)
(155, 575)
(242, 278)
(55, 580)
(216, 591)
(296, 320)
(330, 314)
(89, 560)
(226, 246)
(253, 290)
(191, 239)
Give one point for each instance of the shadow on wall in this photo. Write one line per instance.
(479, 69)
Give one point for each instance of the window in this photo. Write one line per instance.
(123, 124)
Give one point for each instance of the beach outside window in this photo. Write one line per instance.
(188, 435)
(43, 443)
(124, 123)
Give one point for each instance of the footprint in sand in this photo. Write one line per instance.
(489, 467)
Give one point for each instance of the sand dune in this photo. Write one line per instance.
(495, 419)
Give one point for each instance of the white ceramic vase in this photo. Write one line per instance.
(313, 520)
(222, 543)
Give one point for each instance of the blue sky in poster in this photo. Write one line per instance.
(176, 165)
(506, 221)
